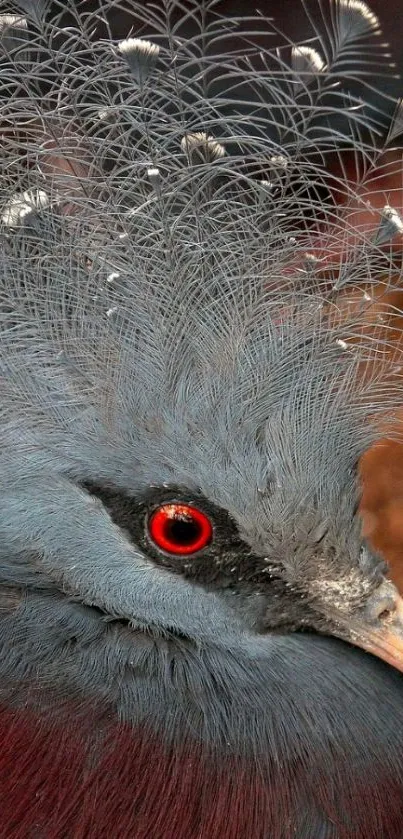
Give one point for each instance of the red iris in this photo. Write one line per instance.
(180, 529)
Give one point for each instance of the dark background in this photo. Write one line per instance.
(289, 16)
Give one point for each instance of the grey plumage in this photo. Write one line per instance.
(167, 328)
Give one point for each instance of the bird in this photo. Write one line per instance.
(198, 299)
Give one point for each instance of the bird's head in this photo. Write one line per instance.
(232, 506)
(184, 398)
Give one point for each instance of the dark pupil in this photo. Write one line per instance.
(182, 531)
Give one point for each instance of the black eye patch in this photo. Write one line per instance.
(185, 533)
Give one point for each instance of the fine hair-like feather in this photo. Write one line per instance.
(190, 282)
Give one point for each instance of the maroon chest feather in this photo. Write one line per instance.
(62, 782)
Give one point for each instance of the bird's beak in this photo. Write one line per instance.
(378, 626)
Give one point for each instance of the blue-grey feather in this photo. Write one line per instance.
(153, 333)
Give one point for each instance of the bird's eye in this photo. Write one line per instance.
(180, 529)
